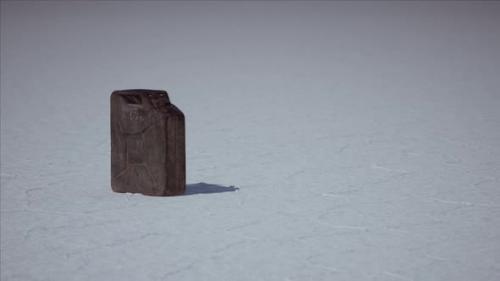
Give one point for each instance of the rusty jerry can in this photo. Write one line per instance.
(148, 152)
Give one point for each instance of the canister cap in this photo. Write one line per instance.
(141, 92)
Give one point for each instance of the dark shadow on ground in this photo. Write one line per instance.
(203, 188)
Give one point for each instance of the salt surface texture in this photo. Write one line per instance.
(335, 140)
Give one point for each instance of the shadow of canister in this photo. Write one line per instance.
(204, 188)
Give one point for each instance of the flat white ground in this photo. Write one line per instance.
(363, 138)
